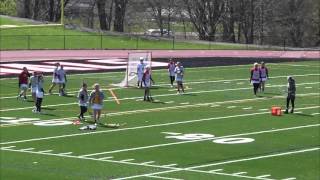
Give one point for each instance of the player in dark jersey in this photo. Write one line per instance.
(255, 77)
(291, 94)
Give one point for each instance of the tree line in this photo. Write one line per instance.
(236, 21)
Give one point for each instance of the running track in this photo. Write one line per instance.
(110, 60)
(9, 56)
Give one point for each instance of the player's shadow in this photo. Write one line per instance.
(48, 114)
(69, 96)
(156, 87)
(272, 93)
(188, 94)
(304, 115)
(49, 109)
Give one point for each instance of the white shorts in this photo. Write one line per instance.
(96, 106)
(23, 86)
(140, 77)
(255, 82)
(56, 80)
(264, 79)
(34, 89)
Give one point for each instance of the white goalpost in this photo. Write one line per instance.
(133, 60)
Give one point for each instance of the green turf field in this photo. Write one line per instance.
(217, 130)
(60, 38)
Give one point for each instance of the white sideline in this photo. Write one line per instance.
(192, 169)
(148, 162)
(239, 173)
(255, 158)
(161, 177)
(198, 140)
(27, 149)
(263, 176)
(142, 127)
(170, 169)
(159, 95)
(109, 157)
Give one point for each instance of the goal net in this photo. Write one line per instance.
(131, 77)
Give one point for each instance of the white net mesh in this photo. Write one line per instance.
(131, 77)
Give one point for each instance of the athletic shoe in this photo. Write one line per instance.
(291, 111)
(286, 112)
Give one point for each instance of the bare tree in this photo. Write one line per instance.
(27, 9)
(120, 11)
(205, 16)
(157, 7)
(101, 5)
(228, 21)
(36, 9)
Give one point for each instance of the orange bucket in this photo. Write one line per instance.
(276, 111)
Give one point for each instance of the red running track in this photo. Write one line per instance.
(34, 55)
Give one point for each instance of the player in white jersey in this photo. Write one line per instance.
(171, 67)
(140, 71)
(179, 71)
(264, 75)
(55, 78)
(62, 81)
(147, 79)
(33, 83)
(255, 77)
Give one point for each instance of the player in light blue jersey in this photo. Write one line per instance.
(140, 71)
(179, 71)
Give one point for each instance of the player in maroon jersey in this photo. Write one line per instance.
(23, 83)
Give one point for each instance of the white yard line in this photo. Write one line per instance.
(215, 104)
(7, 147)
(161, 177)
(186, 83)
(216, 170)
(127, 160)
(148, 162)
(169, 165)
(255, 158)
(46, 151)
(159, 95)
(104, 158)
(27, 149)
(240, 173)
(169, 169)
(143, 127)
(148, 174)
(66, 153)
(198, 140)
(264, 176)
